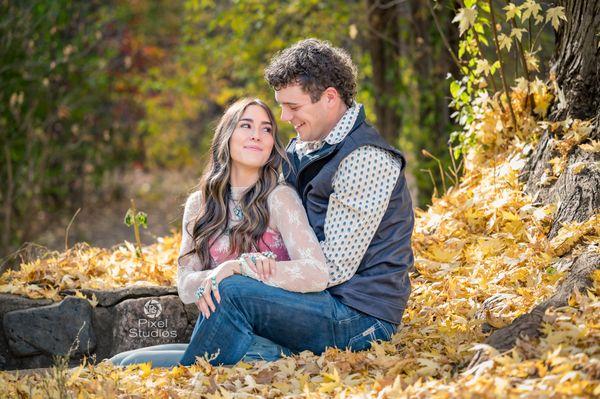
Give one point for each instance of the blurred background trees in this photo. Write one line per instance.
(94, 91)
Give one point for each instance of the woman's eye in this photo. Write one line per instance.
(245, 125)
(267, 130)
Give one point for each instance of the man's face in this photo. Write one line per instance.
(312, 121)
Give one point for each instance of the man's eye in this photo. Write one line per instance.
(294, 108)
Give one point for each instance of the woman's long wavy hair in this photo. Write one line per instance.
(215, 192)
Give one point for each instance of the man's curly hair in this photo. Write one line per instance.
(315, 65)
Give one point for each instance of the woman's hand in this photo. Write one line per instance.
(260, 264)
(210, 284)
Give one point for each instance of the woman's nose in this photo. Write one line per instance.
(255, 135)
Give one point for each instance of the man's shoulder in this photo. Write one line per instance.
(367, 154)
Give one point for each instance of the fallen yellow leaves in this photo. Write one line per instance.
(86, 267)
(482, 257)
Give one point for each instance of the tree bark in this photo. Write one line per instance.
(576, 66)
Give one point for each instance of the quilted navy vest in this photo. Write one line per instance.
(381, 285)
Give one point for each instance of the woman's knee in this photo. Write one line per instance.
(237, 286)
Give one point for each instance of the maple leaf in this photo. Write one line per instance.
(512, 10)
(532, 62)
(555, 14)
(483, 66)
(330, 382)
(465, 18)
(518, 33)
(504, 41)
(530, 7)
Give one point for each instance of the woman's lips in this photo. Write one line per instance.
(253, 148)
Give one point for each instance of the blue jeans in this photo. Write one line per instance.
(294, 321)
(168, 355)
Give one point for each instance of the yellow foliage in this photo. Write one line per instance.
(481, 256)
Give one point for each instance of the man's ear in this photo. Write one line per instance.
(331, 97)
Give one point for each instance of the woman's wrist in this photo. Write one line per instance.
(231, 267)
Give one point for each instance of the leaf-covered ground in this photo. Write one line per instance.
(481, 242)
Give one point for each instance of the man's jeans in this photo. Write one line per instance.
(293, 321)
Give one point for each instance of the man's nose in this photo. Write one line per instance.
(286, 116)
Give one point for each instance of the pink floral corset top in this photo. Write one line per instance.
(271, 241)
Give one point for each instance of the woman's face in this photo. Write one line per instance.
(252, 140)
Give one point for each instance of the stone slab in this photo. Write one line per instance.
(51, 329)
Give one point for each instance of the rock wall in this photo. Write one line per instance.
(33, 330)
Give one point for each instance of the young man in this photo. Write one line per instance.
(352, 186)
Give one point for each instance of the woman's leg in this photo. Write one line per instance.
(161, 358)
(260, 348)
(118, 358)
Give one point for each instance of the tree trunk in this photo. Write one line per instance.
(384, 48)
(576, 66)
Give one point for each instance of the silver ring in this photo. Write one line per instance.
(243, 265)
(214, 282)
(199, 292)
(269, 254)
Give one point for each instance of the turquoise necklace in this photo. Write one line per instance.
(237, 212)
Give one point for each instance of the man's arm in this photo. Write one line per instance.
(362, 188)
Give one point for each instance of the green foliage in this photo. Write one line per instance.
(55, 110)
(137, 219)
(499, 47)
(224, 49)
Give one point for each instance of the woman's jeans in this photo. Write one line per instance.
(294, 321)
(168, 355)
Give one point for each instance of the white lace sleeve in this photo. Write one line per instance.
(189, 274)
(306, 270)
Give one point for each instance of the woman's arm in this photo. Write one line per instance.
(306, 270)
(190, 275)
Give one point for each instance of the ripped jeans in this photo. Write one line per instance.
(294, 321)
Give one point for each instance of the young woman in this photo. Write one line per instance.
(242, 220)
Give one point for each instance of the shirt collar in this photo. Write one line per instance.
(344, 125)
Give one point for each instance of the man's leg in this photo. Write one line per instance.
(249, 307)
(265, 349)
(309, 321)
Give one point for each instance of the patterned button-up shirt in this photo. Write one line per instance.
(362, 188)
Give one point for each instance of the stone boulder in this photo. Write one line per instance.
(55, 329)
(112, 297)
(9, 303)
(149, 321)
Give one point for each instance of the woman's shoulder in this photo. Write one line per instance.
(194, 198)
(282, 200)
(283, 192)
(193, 203)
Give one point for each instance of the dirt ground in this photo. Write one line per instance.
(161, 194)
